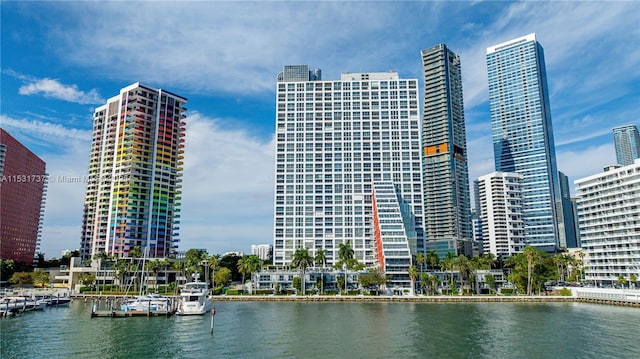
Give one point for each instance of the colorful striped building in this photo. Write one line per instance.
(134, 180)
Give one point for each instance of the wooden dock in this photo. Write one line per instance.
(112, 308)
(130, 313)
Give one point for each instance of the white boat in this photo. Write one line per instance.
(194, 299)
(149, 302)
(18, 304)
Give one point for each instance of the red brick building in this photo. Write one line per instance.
(22, 193)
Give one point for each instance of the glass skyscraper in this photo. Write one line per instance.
(348, 169)
(627, 142)
(522, 133)
(135, 167)
(447, 204)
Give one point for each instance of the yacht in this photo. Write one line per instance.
(194, 299)
(149, 302)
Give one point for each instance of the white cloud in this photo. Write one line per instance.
(227, 190)
(585, 162)
(54, 89)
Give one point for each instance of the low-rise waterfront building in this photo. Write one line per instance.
(609, 221)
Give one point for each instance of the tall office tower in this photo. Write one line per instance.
(523, 134)
(341, 145)
(447, 204)
(627, 142)
(501, 213)
(23, 184)
(566, 223)
(134, 181)
(609, 223)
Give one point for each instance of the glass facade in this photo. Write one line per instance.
(522, 133)
(627, 142)
(446, 174)
(335, 141)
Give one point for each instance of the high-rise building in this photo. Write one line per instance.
(609, 222)
(523, 134)
(134, 180)
(627, 142)
(342, 147)
(500, 196)
(447, 206)
(566, 224)
(263, 251)
(23, 184)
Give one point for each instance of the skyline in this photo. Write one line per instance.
(225, 62)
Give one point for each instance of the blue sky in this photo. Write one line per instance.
(60, 60)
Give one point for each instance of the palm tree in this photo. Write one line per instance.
(153, 266)
(102, 257)
(321, 261)
(121, 269)
(178, 266)
(302, 259)
(433, 258)
(255, 264)
(448, 263)
(533, 257)
(345, 254)
(212, 262)
(165, 265)
(244, 267)
(464, 266)
(421, 259)
(413, 274)
(320, 258)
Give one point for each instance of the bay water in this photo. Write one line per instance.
(333, 330)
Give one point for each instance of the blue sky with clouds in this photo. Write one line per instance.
(60, 60)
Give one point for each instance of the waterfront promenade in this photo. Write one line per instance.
(630, 298)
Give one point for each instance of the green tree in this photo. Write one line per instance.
(135, 252)
(302, 260)
(166, 263)
(223, 276)
(244, 267)
(345, 255)
(121, 269)
(491, 282)
(7, 268)
(21, 278)
(633, 279)
(465, 268)
(433, 259)
(179, 266)
(320, 258)
(153, 267)
(87, 278)
(413, 274)
(231, 262)
(40, 278)
(621, 280)
(194, 262)
(533, 258)
(213, 262)
(373, 279)
(448, 264)
(421, 259)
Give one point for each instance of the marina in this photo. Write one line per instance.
(314, 329)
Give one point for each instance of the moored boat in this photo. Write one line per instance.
(194, 299)
(149, 302)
